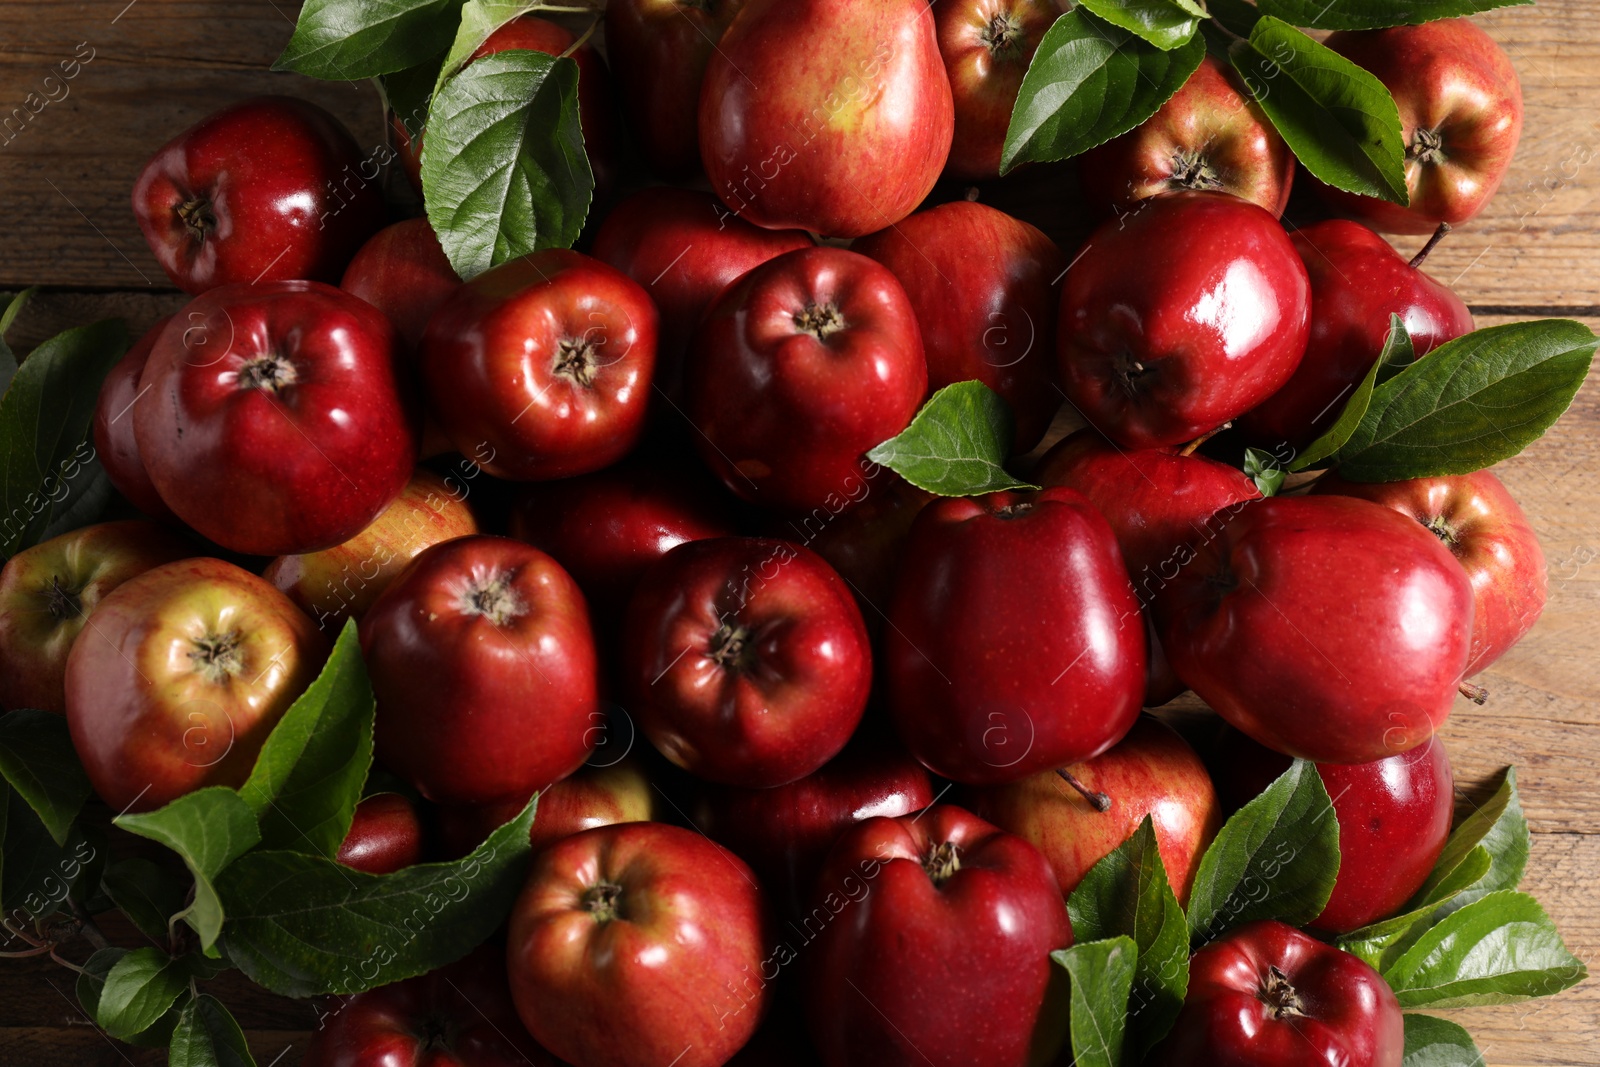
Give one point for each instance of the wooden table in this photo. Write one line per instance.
(159, 65)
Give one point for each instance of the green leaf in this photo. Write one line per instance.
(1499, 949)
(503, 170)
(1471, 403)
(1276, 858)
(8, 315)
(1398, 350)
(307, 780)
(347, 40)
(92, 978)
(1238, 16)
(1434, 1042)
(1089, 82)
(1354, 410)
(479, 19)
(1379, 944)
(147, 893)
(37, 758)
(1127, 893)
(44, 428)
(1339, 120)
(956, 445)
(303, 925)
(1101, 974)
(207, 1036)
(1500, 829)
(138, 990)
(36, 874)
(1376, 14)
(1167, 24)
(1264, 469)
(210, 828)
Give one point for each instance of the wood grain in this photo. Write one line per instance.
(159, 65)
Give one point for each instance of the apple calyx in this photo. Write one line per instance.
(1279, 995)
(576, 360)
(1427, 146)
(217, 657)
(603, 900)
(943, 861)
(731, 649)
(492, 597)
(1002, 36)
(819, 320)
(1444, 530)
(1191, 170)
(1433, 242)
(197, 217)
(1014, 511)
(1098, 800)
(269, 372)
(62, 603)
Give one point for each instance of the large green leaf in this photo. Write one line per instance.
(1375, 14)
(347, 40)
(1101, 973)
(957, 445)
(37, 758)
(207, 1036)
(1167, 24)
(8, 360)
(1397, 344)
(1434, 1042)
(138, 990)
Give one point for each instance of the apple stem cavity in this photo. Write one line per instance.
(1002, 35)
(819, 320)
(197, 217)
(1475, 693)
(493, 598)
(604, 901)
(271, 372)
(1277, 994)
(731, 649)
(1128, 371)
(1433, 242)
(1097, 800)
(943, 862)
(62, 603)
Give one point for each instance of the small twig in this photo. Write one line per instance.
(1097, 800)
(1475, 693)
(1433, 242)
(68, 964)
(39, 950)
(91, 929)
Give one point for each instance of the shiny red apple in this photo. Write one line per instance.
(114, 442)
(591, 796)
(402, 271)
(385, 835)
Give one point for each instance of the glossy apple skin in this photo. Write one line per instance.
(1152, 771)
(1216, 323)
(1038, 584)
(385, 835)
(1357, 281)
(746, 660)
(685, 248)
(342, 582)
(48, 592)
(114, 442)
(276, 420)
(920, 964)
(458, 1016)
(1460, 113)
(267, 190)
(185, 671)
(484, 669)
(841, 140)
(1209, 137)
(1157, 502)
(866, 544)
(1485, 529)
(785, 833)
(608, 527)
(636, 944)
(402, 271)
(1348, 1016)
(541, 367)
(591, 796)
(986, 46)
(1394, 816)
(1324, 627)
(981, 284)
(800, 368)
(660, 49)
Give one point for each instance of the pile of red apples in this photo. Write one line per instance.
(819, 752)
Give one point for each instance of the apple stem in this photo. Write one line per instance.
(1189, 449)
(1433, 242)
(971, 195)
(1475, 693)
(1097, 800)
(582, 40)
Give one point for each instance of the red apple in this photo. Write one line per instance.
(181, 675)
(867, 543)
(385, 835)
(48, 592)
(1357, 281)
(484, 670)
(685, 248)
(402, 271)
(746, 660)
(1150, 772)
(939, 947)
(785, 833)
(1209, 137)
(342, 582)
(591, 796)
(1393, 813)
(607, 528)
(114, 442)
(660, 49)
(641, 943)
(1483, 527)
(842, 139)
(987, 46)
(1324, 627)
(800, 368)
(267, 190)
(1015, 643)
(1460, 114)
(1160, 349)
(1268, 994)
(541, 367)
(458, 1016)
(982, 286)
(276, 420)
